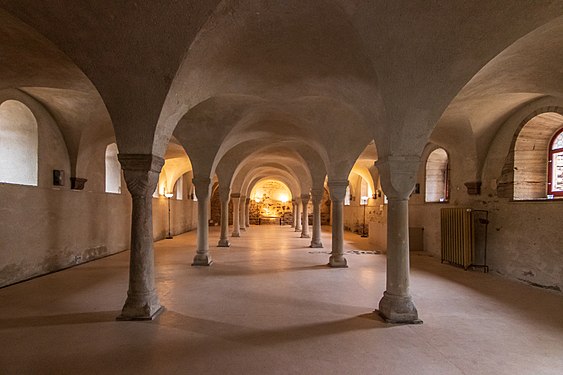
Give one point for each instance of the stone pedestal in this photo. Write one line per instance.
(398, 177)
(224, 195)
(141, 175)
(202, 191)
(337, 193)
(235, 198)
(305, 216)
(317, 196)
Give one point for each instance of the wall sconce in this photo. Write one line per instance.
(377, 194)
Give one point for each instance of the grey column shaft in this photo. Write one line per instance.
(317, 199)
(236, 228)
(242, 213)
(141, 175)
(247, 213)
(337, 194)
(202, 257)
(398, 176)
(305, 217)
(298, 216)
(224, 239)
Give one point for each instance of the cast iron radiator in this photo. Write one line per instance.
(458, 229)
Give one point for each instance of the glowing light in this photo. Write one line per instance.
(284, 198)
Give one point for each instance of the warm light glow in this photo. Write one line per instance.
(284, 198)
(168, 195)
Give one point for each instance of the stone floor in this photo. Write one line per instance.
(269, 305)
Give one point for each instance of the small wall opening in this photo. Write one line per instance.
(113, 170)
(437, 176)
(18, 144)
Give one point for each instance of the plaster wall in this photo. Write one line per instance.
(47, 229)
(524, 239)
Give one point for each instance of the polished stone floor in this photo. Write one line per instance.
(269, 305)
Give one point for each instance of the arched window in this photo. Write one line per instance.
(180, 188)
(536, 162)
(437, 176)
(555, 183)
(347, 197)
(18, 144)
(113, 170)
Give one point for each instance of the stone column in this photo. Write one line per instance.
(141, 175)
(202, 192)
(242, 213)
(337, 193)
(317, 196)
(297, 215)
(235, 198)
(398, 177)
(247, 213)
(293, 211)
(305, 216)
(224, 195)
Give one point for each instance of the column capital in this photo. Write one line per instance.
(202, 187)
(337, 189)
(398, 175)
(141, 173)
(317, 195)
(140, 162)
(305, 197)
(247, 200)
(224, 192)
(235, 195)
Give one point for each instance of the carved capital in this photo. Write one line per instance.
(398, 175)
(317, 195)
(202, 186)
(141, 173)
(235, 195)
(337, 189)
(247, 200)
(224, 193)
(305, 198)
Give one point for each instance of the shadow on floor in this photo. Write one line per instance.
(62, 319)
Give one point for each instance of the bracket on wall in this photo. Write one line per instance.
(77, 183)
(473, 187)
(58, 177)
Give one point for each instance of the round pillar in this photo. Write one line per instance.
(398, 177)
(297, 215)
(235, 198)
(317, 196)
(202, 191)
(224, 195)
(305, 216)
(337, 193)
(141, 175)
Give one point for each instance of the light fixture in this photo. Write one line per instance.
(168, 196)
(364, 202)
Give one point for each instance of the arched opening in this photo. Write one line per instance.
(269, 199)
(437, 176)
(555, 165)
(18, 144)
(533, 151)
(113, 170)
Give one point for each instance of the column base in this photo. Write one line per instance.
(298, 229)
(235, 234)
(141, 308)
(223, 243)
(337, 261)
(202, 260)
(243, 229)
(398, 309)
(316, 245)
(305, 235)
(248, 225)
